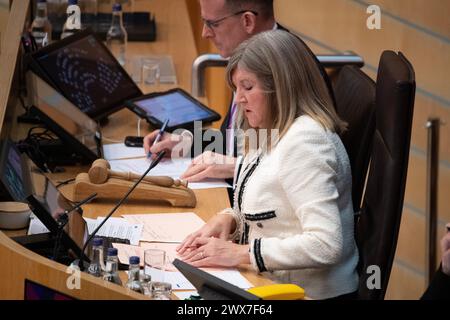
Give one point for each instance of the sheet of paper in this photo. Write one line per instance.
(167, 167)
(119, 228)
(166, 227)
(91, 224)
(36, 226)
(116, 151)
(176, 278)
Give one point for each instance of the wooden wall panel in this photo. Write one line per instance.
(341, 24)
(4, 15)
(432, 18)
(405, 283)
(416, 184)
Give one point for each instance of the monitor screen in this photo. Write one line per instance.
(12, 172)
(37, 291)
(86, 73)
(72, 126)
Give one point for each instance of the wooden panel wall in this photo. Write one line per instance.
(4, 14)
(421, 30)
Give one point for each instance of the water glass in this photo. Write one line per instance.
(150, 72)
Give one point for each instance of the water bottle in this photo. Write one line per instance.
(116, 38)
(73, 22)
(133, 282)
(112, 266)
(41, 28)
(96, 265)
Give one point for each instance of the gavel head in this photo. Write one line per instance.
(99, 171)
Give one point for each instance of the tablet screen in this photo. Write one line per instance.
(176, 107)
(86, 73)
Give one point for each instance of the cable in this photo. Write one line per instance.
(62, 183)
(139, 127)
(111, 140)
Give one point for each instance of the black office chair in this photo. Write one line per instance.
(355, 103)
(378, 225)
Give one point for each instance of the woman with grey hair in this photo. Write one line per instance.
(292, 216)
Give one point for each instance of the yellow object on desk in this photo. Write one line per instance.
(279, 292)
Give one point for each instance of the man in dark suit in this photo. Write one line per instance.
(227, 23)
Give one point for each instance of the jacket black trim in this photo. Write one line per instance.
(258, 257)
(260, 216)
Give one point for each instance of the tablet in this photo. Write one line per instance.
(83, 69)
(176, 105)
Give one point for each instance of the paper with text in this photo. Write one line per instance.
(117, 228)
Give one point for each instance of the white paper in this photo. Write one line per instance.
(166, 227)
(116, 151)
(179, 281)
(119, 228)
(36, 226)
(173, 168)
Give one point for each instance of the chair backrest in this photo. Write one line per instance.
(355, 103)
(378, 226)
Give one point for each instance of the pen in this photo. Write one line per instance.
(160, 134)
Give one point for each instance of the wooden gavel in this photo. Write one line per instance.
(100, 171)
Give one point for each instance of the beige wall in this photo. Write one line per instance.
(421, 30)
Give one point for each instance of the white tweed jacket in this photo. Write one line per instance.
(293, 206)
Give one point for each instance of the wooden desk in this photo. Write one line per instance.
(16, 262)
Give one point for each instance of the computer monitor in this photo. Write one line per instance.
(83, 69)
(27, 183)
(210, 287)
(80, 136)
(12, 172)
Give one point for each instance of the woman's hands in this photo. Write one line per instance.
(209, 246)
(220, 226)
(214, 252)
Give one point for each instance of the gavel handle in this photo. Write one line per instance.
(163, 181)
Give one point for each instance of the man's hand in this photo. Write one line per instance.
(210, 165)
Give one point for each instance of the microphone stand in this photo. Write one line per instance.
(152, 165)
(63, 219)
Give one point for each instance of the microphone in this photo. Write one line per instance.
(64, 215)
(62, 221)
(152, 165)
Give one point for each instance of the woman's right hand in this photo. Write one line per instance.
(221, 226)
(168, 142)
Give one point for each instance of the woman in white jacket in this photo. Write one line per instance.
(292, 216)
